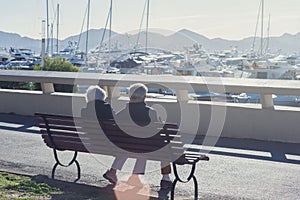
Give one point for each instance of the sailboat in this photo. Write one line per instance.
(101, 56)
(71, 52)
(110, 57)
(266, 66)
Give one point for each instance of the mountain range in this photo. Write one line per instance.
(286, 43)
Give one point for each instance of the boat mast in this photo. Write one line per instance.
(87, 33)
(51, 38)
(47, 11)
(268, 37)
(57, 28)
(142, 19)
(147, 25)
(110, 26)
(256, 28)
(262, 28)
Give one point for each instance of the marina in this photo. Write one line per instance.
(192, 61)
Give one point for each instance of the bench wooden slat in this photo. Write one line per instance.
(62, 133)
(67, 146)
(98, 136)
(57, 116)
(59, 122)
(162, 133)
(60, 127)
(65, 138)
(102, 141)
(106, 150)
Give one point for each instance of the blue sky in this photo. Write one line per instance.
(229, 19)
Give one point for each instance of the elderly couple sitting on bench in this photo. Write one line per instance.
(137, 111)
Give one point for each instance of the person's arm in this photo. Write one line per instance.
(154, 116)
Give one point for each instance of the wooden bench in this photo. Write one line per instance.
(161, 142)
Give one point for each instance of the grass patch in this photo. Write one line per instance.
(40, 187)
(22, 187)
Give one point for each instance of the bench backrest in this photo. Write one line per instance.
(155, 142)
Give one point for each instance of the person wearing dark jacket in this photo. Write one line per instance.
(97, 108)
(137, 111)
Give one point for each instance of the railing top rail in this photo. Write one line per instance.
(259, 86)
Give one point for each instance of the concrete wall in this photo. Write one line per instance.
(206, 118)
(28, 102)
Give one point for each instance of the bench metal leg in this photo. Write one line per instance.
(70, 163)
(173, 189)
(191, 176)
(195, 188)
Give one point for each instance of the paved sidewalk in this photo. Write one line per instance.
(238, 169)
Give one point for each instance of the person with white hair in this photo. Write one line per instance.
(96, 105)
(138, 112)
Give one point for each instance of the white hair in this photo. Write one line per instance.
(137, 91)
(94, 92)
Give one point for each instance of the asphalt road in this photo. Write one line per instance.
(238, 169)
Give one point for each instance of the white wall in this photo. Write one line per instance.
(240, 121)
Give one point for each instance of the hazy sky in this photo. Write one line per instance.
(228, 19)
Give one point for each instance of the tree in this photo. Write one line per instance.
(58, 64)
(51, 64)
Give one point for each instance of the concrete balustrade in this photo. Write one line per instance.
(256, 121)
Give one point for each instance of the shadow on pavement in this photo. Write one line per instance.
(79, 191)
(255, 149)
(20, 123)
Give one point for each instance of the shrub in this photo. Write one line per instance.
(58, 64)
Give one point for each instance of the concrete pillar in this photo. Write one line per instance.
(47, 88)
(266, 101)
(182, 95)
(113, 92)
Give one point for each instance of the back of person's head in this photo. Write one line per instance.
(94, 92)
(137, 92)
